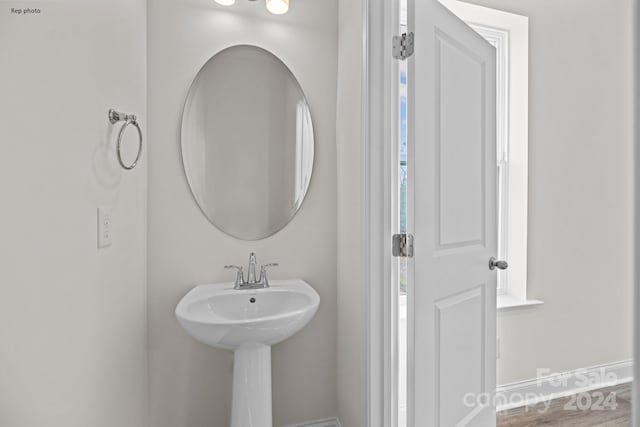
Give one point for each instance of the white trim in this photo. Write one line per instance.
(370, 393)
(380, 17)
(327, 422)
(635, 405)
(533, 391)
(506, 302)
(371, 342)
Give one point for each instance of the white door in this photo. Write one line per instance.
(453, 215)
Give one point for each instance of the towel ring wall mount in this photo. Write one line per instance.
(128, 119)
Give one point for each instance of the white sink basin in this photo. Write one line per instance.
(248, 322)
(222, 317)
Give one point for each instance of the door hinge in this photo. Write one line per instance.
(403, 245)
(403, 46)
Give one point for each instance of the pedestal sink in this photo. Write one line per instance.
(248, 322)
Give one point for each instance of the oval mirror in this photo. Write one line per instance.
(247, 142)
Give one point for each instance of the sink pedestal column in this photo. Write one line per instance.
(251, 404)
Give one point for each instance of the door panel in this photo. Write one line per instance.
(453, 215)
(460, 359)
(460, 144)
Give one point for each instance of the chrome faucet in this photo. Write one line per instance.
(251, 282)
(251, 274)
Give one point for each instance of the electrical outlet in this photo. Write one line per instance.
(105, 227)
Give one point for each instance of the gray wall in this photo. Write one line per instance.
(72, 317)
(351, 331)
(580, 189)
(190, 383)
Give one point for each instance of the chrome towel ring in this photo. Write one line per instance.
(128, 119)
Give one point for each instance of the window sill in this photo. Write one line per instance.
(507, 302)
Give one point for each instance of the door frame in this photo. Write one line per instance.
(635, 406)
(379, 25)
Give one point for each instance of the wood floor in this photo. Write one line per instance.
(564, 412)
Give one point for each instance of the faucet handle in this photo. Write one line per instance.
(263, 273)
(239, 276)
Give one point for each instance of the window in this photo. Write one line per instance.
(509, 34)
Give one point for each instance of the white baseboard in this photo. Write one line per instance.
(327, 422)
(554, 386)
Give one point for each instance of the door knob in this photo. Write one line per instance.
(500, 265)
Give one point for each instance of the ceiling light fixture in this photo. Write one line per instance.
(277, 7)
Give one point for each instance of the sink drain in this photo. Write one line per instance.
(252, 300)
